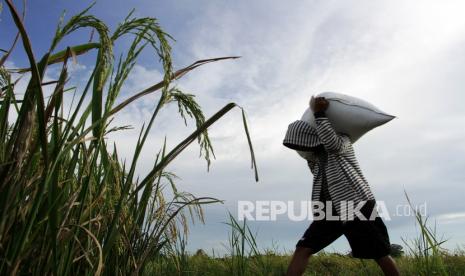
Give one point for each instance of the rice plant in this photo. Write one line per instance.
(68, 204)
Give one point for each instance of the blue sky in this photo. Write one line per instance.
(406, 57)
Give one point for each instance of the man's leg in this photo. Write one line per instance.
(388, 265)
(299, 261)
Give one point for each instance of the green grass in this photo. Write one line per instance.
(321, 264)
(68, 204)
(427, 256)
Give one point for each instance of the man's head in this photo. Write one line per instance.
(301, 136)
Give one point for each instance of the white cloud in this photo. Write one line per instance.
(451, 217)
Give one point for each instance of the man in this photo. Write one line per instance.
(338, 183)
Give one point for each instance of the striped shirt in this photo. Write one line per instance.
(342, 172)
(322, 156)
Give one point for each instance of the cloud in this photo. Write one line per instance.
(451, 217)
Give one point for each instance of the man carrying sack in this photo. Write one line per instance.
(338, 184)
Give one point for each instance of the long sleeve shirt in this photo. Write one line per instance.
(341, 173)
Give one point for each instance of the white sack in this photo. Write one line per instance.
(350, 115)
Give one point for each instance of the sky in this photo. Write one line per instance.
(406, 57)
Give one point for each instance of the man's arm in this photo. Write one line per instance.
(332, 141)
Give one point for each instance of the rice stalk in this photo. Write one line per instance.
(68, 204)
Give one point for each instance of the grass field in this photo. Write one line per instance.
(321, 264)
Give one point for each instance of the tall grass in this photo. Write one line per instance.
(427, 254)
(68, 204)
(245, 256)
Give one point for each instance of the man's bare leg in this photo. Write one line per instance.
(299, 261)
(388, 266)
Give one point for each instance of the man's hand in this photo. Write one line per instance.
(318, 104)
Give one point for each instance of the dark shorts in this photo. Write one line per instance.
(368, 239)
